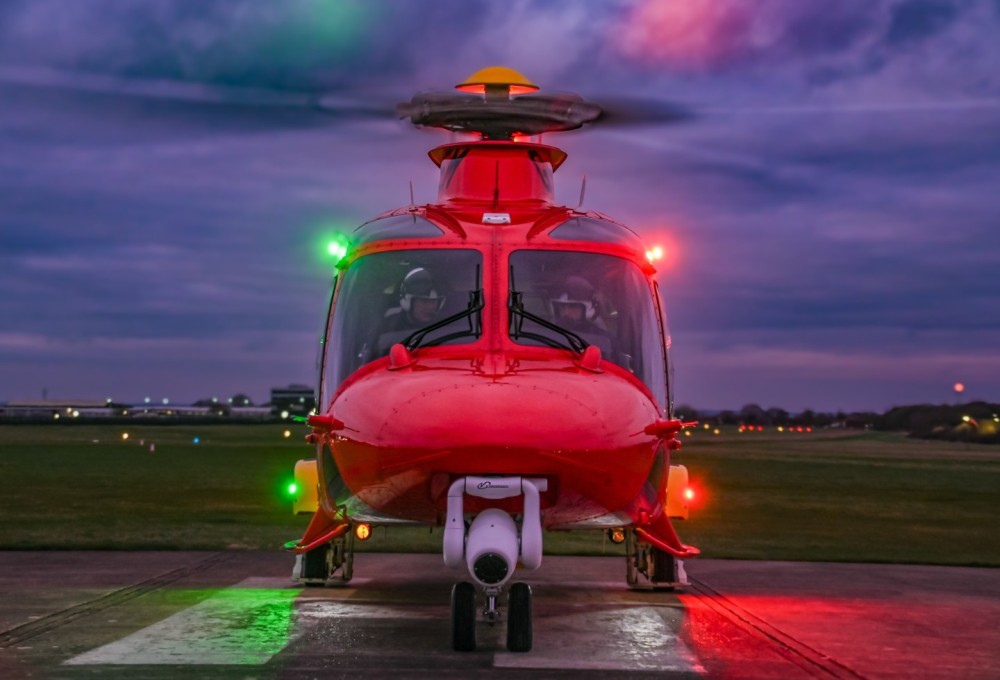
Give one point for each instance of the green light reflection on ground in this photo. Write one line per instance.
(236, 626)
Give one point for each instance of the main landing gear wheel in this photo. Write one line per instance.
(648, 566)
(664, 567)
(519, 618)
(329, 564)
(463, 617)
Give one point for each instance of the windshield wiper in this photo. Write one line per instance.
(517, 315)
(473, 312)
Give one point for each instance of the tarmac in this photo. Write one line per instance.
(238, 615)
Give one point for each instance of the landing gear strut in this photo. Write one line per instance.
(329, 564)
(463, 616)
(647, 565)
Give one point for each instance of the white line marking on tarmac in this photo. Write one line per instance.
(634, 639)
(243, 625)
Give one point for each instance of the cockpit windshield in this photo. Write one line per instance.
(571, 299)
(416, 297)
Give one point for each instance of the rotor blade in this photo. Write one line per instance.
(196, 93)
(627, 111)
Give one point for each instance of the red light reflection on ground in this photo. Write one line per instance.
(749, 636)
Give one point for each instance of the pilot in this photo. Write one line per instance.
(420, 303)
(575, 307)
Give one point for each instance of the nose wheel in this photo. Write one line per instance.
(519, 618)
(463, 617)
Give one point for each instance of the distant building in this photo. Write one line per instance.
(60, 408)
(295, 400)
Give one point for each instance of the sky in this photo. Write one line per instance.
(830, 210)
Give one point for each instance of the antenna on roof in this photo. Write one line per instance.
(583, 190)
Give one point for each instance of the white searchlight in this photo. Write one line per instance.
(492, 548)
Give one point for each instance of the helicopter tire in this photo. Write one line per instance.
(664, 568)
(316, 566)
(631, 559)
(519, 618)
(463, 617)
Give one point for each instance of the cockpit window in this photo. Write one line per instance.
(397, 226)
(419, 298)
(571, 299)
(601, 231)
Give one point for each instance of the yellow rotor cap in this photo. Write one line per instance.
(495, 77)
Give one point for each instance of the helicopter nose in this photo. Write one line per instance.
(551, 410)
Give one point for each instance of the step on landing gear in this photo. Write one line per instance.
(329, 564)
(463, 616)
(647, 566)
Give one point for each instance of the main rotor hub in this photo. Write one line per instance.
(499, 103)
(497, 81)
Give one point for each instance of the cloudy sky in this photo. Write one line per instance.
(831, 211)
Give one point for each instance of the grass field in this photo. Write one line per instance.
(839, 496)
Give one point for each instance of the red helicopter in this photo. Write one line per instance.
(494, 365)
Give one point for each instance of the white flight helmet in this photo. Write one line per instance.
(418, 283)
(575, 290)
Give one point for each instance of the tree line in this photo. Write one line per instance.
(975, 421)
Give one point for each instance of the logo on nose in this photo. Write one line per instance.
(490, 485)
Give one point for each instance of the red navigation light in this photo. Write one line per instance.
(688, 494)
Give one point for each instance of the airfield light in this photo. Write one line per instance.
(76, 414)
(706, 426)
(124, 436)
(197, 440)
(716, 431)
(146, 400)
(288, 433)
(284, 415)
(55, 416)
(363, 531)
(165, 401)
(966, 419)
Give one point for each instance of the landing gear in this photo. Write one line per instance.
(463, 617)
(519, 618)
(647, 565)
(329, 564)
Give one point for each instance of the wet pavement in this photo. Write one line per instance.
(238, 615)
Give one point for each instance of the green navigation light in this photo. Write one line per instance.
(293, 489)
(337, 250)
